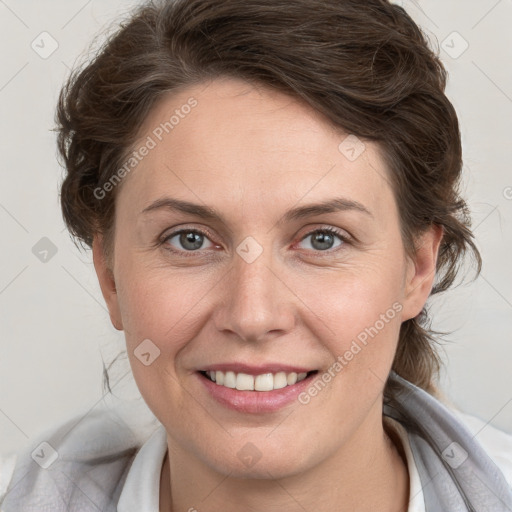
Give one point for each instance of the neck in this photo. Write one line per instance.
(368, 473)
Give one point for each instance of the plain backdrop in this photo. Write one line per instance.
(54, 327)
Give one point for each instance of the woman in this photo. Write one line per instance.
(269, 189)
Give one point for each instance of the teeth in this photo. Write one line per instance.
(244, 382)
(229, 380)
(263, 382)
(280, 380)
(291, 378)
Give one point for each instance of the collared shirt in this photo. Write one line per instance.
(141, 491)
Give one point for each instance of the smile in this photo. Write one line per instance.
(262, 382)
(255, 389)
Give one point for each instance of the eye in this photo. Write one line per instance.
(323, 239)
(191, 241)
(188, 240)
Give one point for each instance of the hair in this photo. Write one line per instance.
(365, 65)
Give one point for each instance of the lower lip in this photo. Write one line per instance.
(255, 402)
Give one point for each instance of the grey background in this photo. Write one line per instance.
(54, 327)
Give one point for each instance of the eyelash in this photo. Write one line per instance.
(332, 231)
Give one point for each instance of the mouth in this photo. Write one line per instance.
(262, 382)
(255, 390)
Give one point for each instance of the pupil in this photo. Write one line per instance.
(321, 238)
(194, 238)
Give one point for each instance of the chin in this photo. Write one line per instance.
(262, 470)
(246, 461)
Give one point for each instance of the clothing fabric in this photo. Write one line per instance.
(456, 472)
(102, 464)
(142, 486)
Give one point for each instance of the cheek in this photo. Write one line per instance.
(161, 313)
(160, 306)
(357, 318)
(352, 298)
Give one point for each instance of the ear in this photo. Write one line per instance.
(107, 282)
(421, 271)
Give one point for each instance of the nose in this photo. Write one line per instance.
(256, 302)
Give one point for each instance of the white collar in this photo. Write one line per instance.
(141, 490)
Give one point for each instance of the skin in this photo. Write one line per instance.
(251, 154)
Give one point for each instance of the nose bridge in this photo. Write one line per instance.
(256, 305)
(253, 277)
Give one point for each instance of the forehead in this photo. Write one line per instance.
(226, 141)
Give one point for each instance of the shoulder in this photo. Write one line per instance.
(497, 443)
(83, 461)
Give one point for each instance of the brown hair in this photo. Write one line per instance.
(365, 65)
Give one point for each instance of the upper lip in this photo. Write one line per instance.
(256, 370)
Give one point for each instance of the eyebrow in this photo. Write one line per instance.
(205, 212)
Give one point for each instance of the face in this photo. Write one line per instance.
(266, 284)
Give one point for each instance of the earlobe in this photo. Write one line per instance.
(107, 282)
(421, 272)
